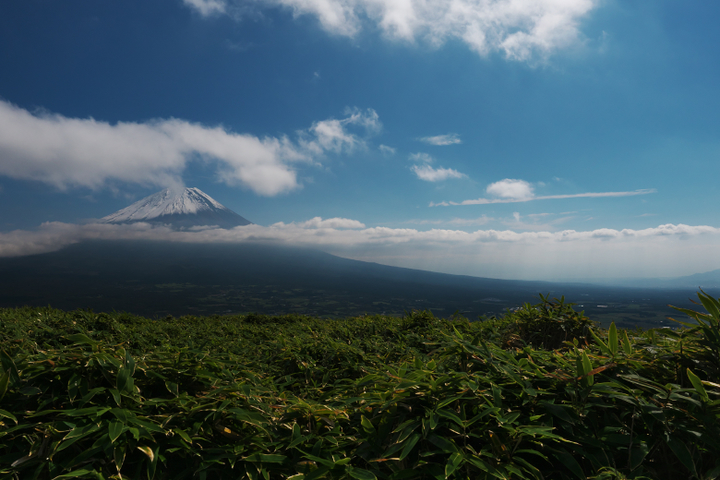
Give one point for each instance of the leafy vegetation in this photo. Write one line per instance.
(538, 393)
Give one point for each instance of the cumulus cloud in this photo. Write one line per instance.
(68, 152)
(514, 191)
(441, 140)
(430, 174)
(519, 29)
(511, 189)
(665, 250)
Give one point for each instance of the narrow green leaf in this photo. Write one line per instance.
(449, 414)
(76, 473)
(360, 473)
(119, 455)
(409, 445)
(114, 430)
(445, 445)
(9, 366)
(6, 414)
(116, 396)
(587, 367)
(613, 339)
(569, 461)
(183, 435)
(147, 451)
(152, 464)
(455, 460)
(265, 458)
(711, 305)
(4, 381)
(600, 343)
(82, 339)
(682, 453)
(697, 383)
(627, 346)
(367, 425)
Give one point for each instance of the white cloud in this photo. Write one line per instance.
(207, 7)
(514, 191)
(430, 174)
(483, 220)
(385, 150)
(511, 189)
(332, 135)
(519, 29)
(420, 157)
(448, 139)
(666, 250)
(317, 222)
(68, 152)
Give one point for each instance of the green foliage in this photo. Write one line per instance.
(547, 325)
(536, 394)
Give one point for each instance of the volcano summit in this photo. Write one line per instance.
(189, 207)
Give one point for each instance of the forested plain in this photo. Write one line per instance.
(539, 392)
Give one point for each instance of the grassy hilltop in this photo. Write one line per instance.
(538, 393)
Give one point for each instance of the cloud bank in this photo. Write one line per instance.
(519, 29)
(71, 152)
(666, 250)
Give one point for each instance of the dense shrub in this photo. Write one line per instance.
(530, 395)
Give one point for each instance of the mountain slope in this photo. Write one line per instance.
(160, 278)
(189, 207)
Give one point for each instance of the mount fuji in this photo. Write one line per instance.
(185, 208)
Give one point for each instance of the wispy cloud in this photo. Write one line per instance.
(208, 7)
(430, 174)
(519, 29)
(385, 150)
(664, 250)
(70, 152)
(441, 140)
(421, 157)
(516, 191)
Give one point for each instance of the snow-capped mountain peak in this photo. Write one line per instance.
(187, 207)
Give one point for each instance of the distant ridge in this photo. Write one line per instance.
(188, 207)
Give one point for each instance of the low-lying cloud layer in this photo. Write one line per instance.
(69, 152)
(666, 250)
(520, 29)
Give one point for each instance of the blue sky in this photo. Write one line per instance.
(557, 139)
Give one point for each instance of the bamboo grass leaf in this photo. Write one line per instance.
(77, 473)
(409, 444)
(612, 339)
(603, 346)
(697, 383)
(360, 473)
(627, 346)
(682, 453)
(4, 381)
(454, 461)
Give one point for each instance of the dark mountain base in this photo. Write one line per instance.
(158, 279)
